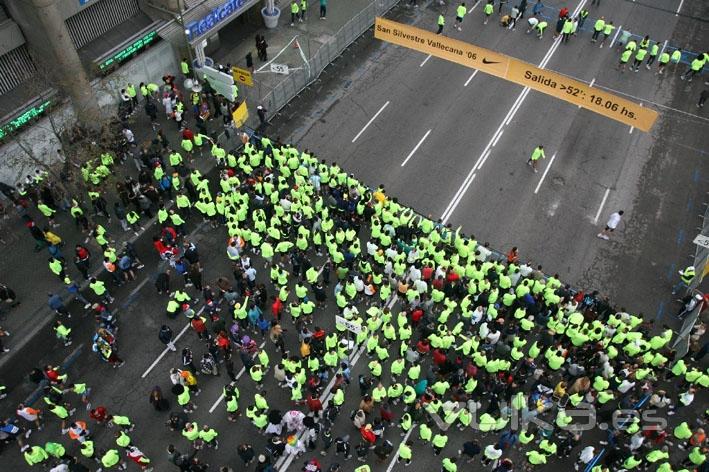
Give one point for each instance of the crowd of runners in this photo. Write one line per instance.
(636, 50)
(457, 339)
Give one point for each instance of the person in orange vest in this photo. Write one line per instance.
(513, 256)
(29, 414)
(78, 431)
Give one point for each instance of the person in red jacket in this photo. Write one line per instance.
(439, 357)
(368, 435)
(277, 308)
(416, 316)
(423, 347)
(187, 134)
(427, 272)
(99, 414)
(199, 327)
(314, 404)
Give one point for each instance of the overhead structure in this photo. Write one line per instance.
(517, 71)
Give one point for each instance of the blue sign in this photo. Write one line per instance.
(216, 16)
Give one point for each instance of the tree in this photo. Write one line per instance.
(68, 145)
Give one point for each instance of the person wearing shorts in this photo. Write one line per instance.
(611, 225)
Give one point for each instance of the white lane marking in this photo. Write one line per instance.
(664, 46)
(681, 2)
(284, 461)
(499, 135)
(465, 188)
(466, 183)
(474, 6)
(544, 175)
(416, 148)
(633, 127)
(615, 36)
(162, 354)
(276, 56)
(243, 369)
(137, 289)
(513, 111)
(238, 376)
(487, 154)
(510, 114)
(600, 208)
(370, 121)
(425, 61)
(470, 78)
(396, 451)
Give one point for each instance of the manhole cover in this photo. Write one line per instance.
(558, 181)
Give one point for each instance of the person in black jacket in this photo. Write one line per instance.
(165, 336)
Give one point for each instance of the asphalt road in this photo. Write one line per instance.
(658, 178)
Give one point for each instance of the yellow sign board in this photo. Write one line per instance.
(240, 115)
(520, 72)
(242, 76)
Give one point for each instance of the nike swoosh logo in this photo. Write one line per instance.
(485, 61)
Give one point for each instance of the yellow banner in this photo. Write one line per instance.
(240, 115)
(520, 72)
(242, 76)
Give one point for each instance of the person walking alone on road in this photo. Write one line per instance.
(611, 225)
(537, 154)
(488, 10)
(459, 15)
(323, 9)
(441, 23)
(165, 336)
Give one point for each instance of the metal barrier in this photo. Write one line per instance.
(278, 96)
(682, 341)
(701, 259)
(298, 79)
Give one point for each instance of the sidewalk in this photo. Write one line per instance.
(287, 45)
